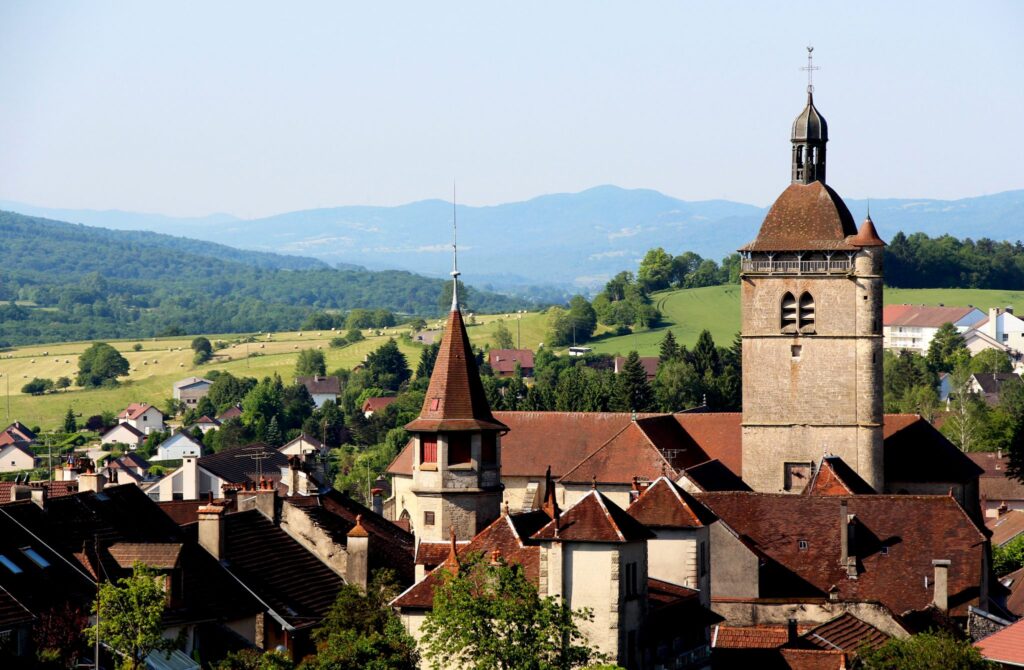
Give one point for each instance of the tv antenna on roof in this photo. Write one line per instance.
(259, 457)
(810, 68)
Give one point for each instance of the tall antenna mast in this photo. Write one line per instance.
(811, 67)
(455, 254)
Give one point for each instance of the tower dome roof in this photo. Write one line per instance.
(806, 217)
(810, 125)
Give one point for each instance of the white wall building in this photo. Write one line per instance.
(912, 327)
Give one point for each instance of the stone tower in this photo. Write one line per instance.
(811, 287)
(457, 444)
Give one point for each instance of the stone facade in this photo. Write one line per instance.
(818, 389)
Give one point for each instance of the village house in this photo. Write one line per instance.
(191, 390)
(233, 412)
(321, 388)
(16, 456)
(989, 385)
(198, 478)
(206, 424)
(504, 362)
(143, 417)
(912, 327)
(1003, 326)
(124, 434)
(303, 446)
(650, 364)
(997, 490)
(376, 404)
(17, 432)
(176, 447)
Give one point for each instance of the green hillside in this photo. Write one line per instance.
(717, 308)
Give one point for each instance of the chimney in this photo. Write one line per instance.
(357, 549)
(211, 530)
(941, 597)
(844, 532)
(189, 478)
(378, 501)
(39, 496)
(266, 499)
(90, 480)
(791, 631)
(992, 325)
(20, 492)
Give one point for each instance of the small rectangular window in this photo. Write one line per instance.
(428, 518)
(35, 557)
(795, 350)
(802, 544)
(435, 403)
(885, 551)
(10, 565)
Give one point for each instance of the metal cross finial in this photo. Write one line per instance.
(810, 68)
(455, 255)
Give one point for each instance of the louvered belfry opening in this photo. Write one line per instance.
(789, 313)
(806, 314)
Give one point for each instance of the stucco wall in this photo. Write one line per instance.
(734, 571)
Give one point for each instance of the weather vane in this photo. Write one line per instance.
(810, 68)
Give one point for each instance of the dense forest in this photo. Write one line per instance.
(91, 283)
(919, 261)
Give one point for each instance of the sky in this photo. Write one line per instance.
(255, 108)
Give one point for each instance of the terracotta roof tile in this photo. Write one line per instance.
(160, 555)
(806, 217)
(922, 316)
(455, 398)
(504, 360)
(594, 518)
(835, 478)
(913, 529)
(320, 385)
(845, 632)
(53, 489)
(664, 504)
(814, 659)
(230, 413)
(867, 236)
(378, 403)
(432, 554)
(1005, 646)
(714, 476)
(1006, 527)
(136, 409)
(629, 454)
(752, 637)
(719, 434)
(1014, 583)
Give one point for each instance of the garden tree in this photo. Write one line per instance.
(361, 632)
(924, 651)
(359, 318)
(272, 436)
(232, 433)
(354, 335)
(902, 373)
(264, 402)
(254, 659)
(228, 390)
(683, 265)
(730, 270)
(70, 424)
(95, 423)
(965, 423)
(921, 400)
(321, 321)
(296, 406)
(633, 392)
(991, 360)
(310, 363)
(655, 272)
(417, 324)
(205, 407)
(129, 617)
(57, 635)
(1008, 557)
(704, 356)
(574, 325)
(387, 366)
(37, 386)
(706, 274)
(383, 318)
(203, 350)
(488, 616)
(62, 383)
(947, 349)
(678, 386)
(503, 337)
(327, 424)
(669, 349)
(100, 364)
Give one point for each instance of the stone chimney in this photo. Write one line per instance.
(212, 536)
(39, 496)
(266, 499)
(847, 540)
(20, 492)
(941, 597)
(378, 501)
(358, 559)
(90, 480)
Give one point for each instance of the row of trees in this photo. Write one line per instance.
(660, 270)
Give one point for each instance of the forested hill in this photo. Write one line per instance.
(74, 282)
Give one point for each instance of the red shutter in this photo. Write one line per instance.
(429, 452)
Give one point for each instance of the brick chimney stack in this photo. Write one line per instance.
(212, 536)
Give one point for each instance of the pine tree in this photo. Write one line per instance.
(669, 348)
(273, 435)
(70, 425)
(704, 356)
(634, 392)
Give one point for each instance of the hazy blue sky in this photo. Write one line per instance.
(252, 108)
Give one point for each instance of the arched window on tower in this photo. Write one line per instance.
(806, 316)
(789, 313)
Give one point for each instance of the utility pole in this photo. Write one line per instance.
(519, 338)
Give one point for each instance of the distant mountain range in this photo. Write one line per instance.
(562, 239)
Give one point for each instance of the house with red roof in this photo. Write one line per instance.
(143, 417)
(376, 404)
(912, 327)
(504, 362)
(1005, 647)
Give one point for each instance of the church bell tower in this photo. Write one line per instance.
(811, 287)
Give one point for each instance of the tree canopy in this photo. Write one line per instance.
(101, 364)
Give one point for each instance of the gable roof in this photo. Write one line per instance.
(238, 465)
(303, 437)
(317, 385)
(1005, 646)
(649, 363)
(204, 419)
(20, 430)
(180, 436)
(923, 316)
(136, 409)
(714, 476)
(915, 530)
(232, 412)
(455, 398)
(845, 632)
(628, 454)
(1006, 526)
(992, 382)
(190, 381)
(914, 451)
(124, 427)
(377, 403)
(1014, 583)
(18, 446)
(835, 478)
(504, 360)
(664, 504)
(594, 518)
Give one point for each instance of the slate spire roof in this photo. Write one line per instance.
(455, 399)
(810, 124)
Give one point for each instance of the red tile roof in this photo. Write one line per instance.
(1005, 646)
(845, 632)
(914, 529)
(650, 364)
(867, 236)
(232, 412)
(922, 316)
(20, 431)
(719, 434)
(665, 505)
(714, 476)
(751, 637)
(455, 398)
(378, 403)
(136, 409)
(814, 659)
(806, 217)
(594, 518)
(835, 478)
(159, 555)
(1014, 583)
(504, 360)
(1006, 527)
(53, 489)
(631, 453)
(206, 420)
(432, 554)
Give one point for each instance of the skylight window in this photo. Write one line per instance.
(35, 557)
(10, 565)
